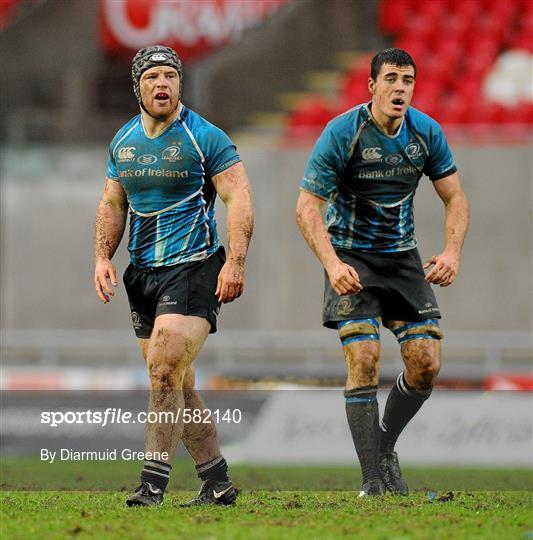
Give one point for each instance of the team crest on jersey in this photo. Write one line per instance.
(171, 154)
(371, 154)
(413, 150)
(394, 159)
(126, 154)
(146, 159)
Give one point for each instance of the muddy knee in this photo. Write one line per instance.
(362, 363)
(360, 340)
(168, 359)
(424, 373)
(420, 343)
(422, 366)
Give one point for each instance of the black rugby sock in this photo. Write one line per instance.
(216, 469)
(363, 418)
(402, 404)
(157, 473)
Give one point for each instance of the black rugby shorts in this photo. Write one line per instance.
(394, 288)
(184, 289)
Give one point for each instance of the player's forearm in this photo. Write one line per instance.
(240, 225)
(311, 224)
(456, 223)
(109, 228)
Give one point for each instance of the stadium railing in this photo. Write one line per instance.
(260, 353)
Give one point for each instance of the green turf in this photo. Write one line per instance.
(264, 515)
(119, 475)
(314, 503)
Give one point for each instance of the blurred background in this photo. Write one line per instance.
(271, 73)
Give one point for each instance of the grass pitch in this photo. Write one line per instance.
(86, 500)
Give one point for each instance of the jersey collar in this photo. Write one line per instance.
(366, 108)
(177, 119)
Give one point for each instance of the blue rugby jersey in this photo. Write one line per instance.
(167, 180)
(369, 178)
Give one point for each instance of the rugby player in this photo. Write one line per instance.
(364, 169)
(166, 165)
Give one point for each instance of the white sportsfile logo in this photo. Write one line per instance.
(372, 154)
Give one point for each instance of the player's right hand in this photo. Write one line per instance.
(105, 274)
(343, 278)
(230, 284)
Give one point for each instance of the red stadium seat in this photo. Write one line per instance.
(414, 46)
(308, 119)
(429, 87)
(492, 113)
(426, 104)
(453, 110)
(522, 41)
(455, 27)
(449, 52)
(313, 111)
(421, 28)
(393, 16)
(454, 44)
(354, 88)
(526, 112)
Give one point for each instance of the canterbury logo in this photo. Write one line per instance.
(372, 154)
(126, 152)
(158, 57)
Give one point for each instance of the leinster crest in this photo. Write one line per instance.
(344, 307)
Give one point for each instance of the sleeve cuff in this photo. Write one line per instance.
(226, 165)
(443, 174)
(313, 193)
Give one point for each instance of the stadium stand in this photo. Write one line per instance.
(452, 71)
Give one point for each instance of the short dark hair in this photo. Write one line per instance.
(397, 57)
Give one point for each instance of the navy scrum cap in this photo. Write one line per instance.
(149, 57)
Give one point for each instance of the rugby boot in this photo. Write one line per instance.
(146, 495)
(392, 475)
(214, 492)
(373, 488)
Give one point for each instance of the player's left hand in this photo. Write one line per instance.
(230, 281)
(444, 271)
